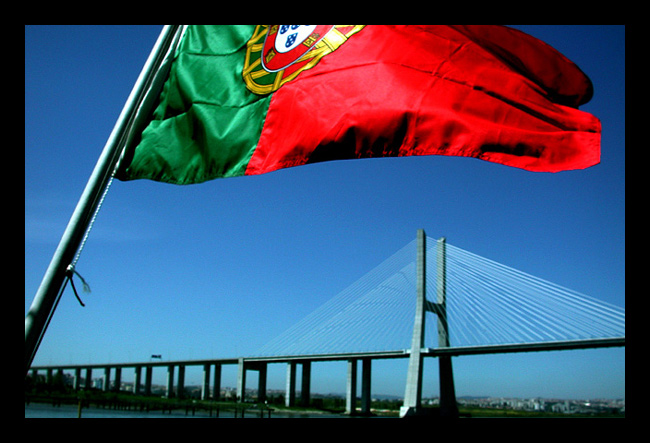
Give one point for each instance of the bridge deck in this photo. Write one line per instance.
(403, 353)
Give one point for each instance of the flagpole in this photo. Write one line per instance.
(54, 280)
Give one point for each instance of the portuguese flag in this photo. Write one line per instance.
(250, 99)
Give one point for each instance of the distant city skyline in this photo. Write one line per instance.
(229, 392)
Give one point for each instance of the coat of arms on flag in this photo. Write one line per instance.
(276, 54)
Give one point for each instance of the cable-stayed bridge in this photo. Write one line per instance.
(487, 304)
(429, 299)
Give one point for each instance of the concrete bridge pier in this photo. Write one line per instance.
(216, 388)
(118, 379)
(241, 379)
(107, 379)
(366, 378)
(180, 389)
(290, 392)
(77, 379)
(170, 381)
(136, 382)
(89, 378)
(147, 380)
(448, 405)
(205, 386)
(261, 382)
(305, 384)
(351, 388)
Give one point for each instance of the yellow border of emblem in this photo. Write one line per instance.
(261, 82)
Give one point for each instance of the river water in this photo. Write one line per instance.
(39, 410)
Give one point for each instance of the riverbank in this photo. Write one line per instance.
(103, 404)
(98, 404)
(43, 410)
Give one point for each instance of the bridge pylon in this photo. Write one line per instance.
(413, 396)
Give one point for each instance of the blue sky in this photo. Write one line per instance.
(218, 269)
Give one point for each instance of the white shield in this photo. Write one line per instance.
(290, 36)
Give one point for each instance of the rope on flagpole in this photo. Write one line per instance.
(73, 265)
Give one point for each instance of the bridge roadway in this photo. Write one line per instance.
(260, 364)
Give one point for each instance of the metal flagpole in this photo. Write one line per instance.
(54, 280)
